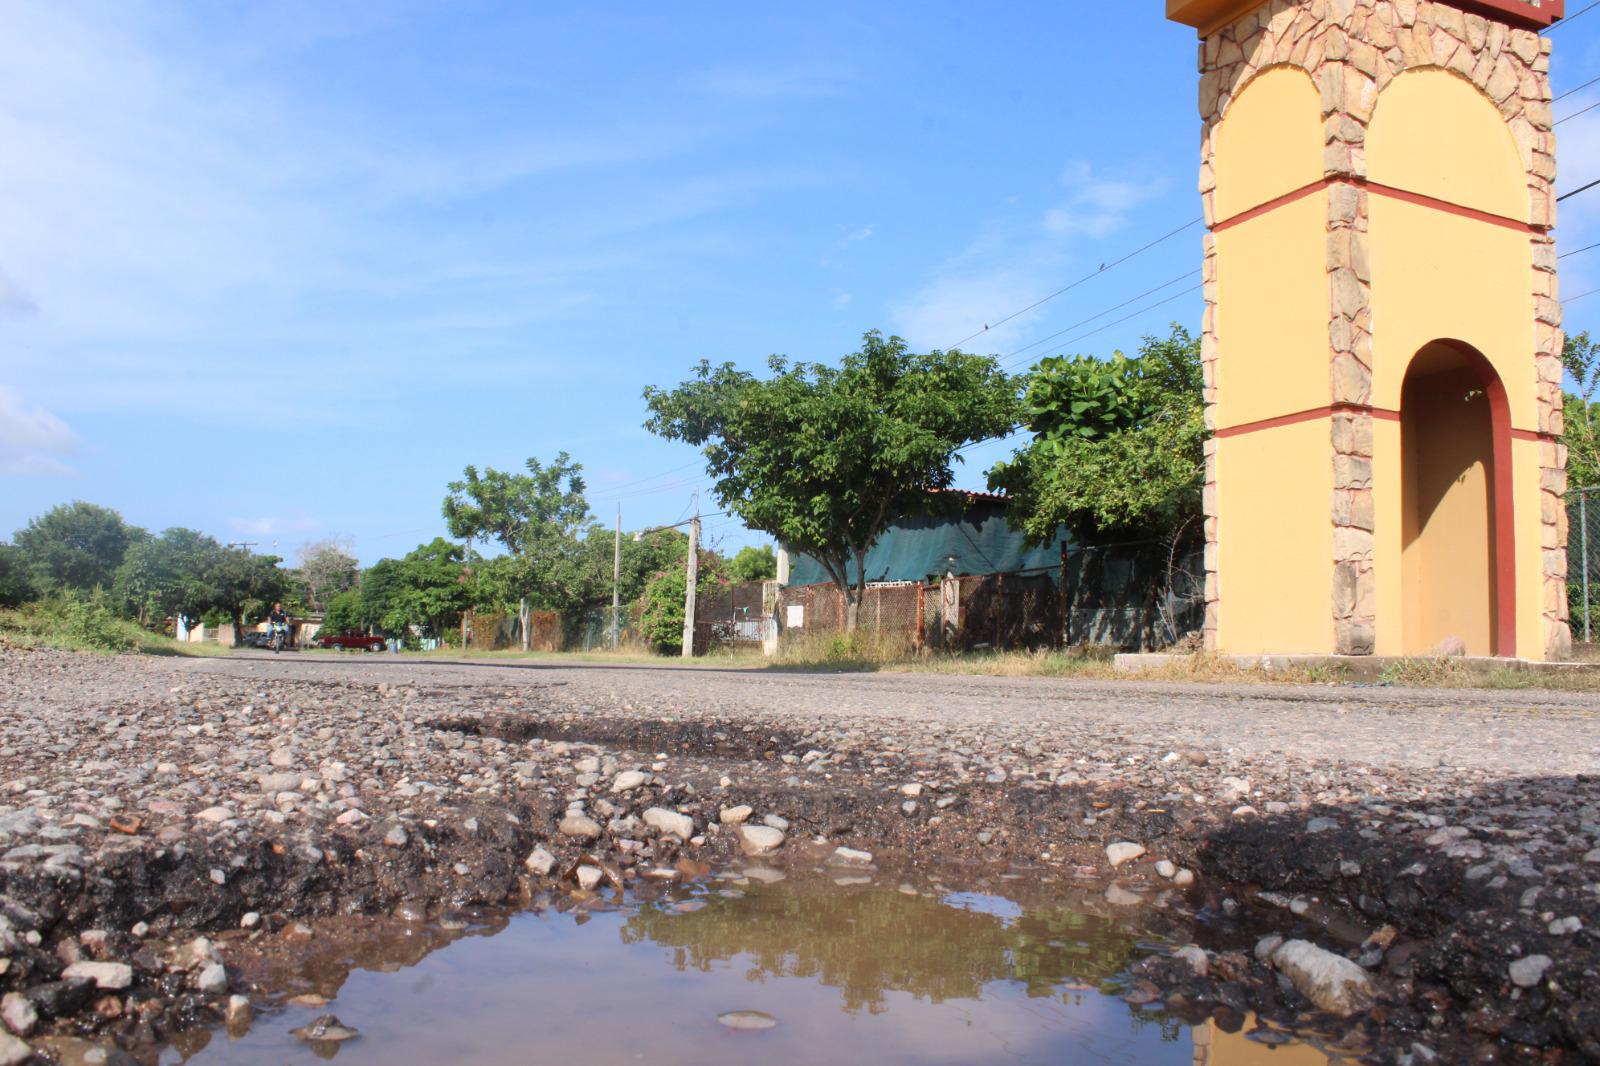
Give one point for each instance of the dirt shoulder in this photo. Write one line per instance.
(1446, 842)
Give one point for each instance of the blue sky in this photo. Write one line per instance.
(278, 272)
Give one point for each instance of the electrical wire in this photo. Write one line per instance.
(1086, 278)
(1577, 251)
(1574, 115)
(1569, 18)
(1132, 315)
(1574, 192)
(1580, 296)
(1579, 89)
(1102, 314)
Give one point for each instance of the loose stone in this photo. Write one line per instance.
(759, 839)
(735, 815)
(109, 976)
(1529, 970)
(670, 822)
(579, 825)
(1123, 852)
(1332, 982)
(628, 780)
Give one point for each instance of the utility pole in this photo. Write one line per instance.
(688, 591)
(616, 584)
(466, 577)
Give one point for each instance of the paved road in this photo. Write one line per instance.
(1520, 732)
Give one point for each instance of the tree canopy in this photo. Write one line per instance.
(1118, 448)
(170, 575)
(537, 517)
(76, 546)
(824, 458)
(753, 564)
(16, 585)
(1581, 359)
(427, 589)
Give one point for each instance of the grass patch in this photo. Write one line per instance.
(77, 623)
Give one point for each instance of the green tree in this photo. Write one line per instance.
(1118, 450)
(343, 613)
(661, 607)
(246, 585)
(16, 586)
(76, 545)
(824, 458)
(169, 575)
(653, 553)
(754, 564)
(537, 518)
(427, 589)
(1581, 359)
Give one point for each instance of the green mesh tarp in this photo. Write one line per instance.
(978, 540)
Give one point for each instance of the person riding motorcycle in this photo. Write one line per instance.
(278, 621)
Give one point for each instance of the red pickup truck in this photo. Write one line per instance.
(357, 641)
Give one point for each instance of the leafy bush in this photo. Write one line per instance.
(78, 623)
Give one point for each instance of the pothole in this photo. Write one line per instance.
(722, 740)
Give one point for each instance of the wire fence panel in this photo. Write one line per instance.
(1583, 562)
(1132, 596)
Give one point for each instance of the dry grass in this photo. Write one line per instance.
(867, 651)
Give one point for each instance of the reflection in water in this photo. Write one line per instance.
(866, 942)
(858, 975)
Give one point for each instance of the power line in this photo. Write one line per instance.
(1574, 115)
(612, 489)
(1068, 288)
(1569, 18)
(1579, 89)
(1575, 299)
(1135, 314)
(1574, 192)
(1085, 336)
(1576, 251)
(1102, 314)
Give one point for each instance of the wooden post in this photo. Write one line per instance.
(616, 584)
(693, 575)
(916, 638)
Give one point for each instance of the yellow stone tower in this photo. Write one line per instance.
(1382, 332)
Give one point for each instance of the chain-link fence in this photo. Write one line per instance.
(1583, 562)
(1127, 596)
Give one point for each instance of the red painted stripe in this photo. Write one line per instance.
(1382, 414)
(1271, 205)
(1450, 208)
(1390, 191)
(1273, 423)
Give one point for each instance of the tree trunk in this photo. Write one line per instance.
(522, 616)
(238, 626)
(854, 596)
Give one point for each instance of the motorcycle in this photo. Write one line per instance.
(280, 636)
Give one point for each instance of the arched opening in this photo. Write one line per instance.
(1458, 553)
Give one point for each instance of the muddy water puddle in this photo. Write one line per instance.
(734, 970)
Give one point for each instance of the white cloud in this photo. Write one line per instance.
(174, 212)
(33, 442)
(1009, 265)
(841, 301)
(864, 233)
(1097, 207)
(952, 307)
(271, 526)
